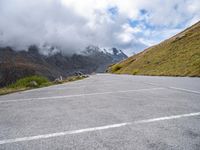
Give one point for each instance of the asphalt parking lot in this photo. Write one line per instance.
(104, 111)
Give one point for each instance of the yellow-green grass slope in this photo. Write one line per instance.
(177, 56)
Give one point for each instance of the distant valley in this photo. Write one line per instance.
(18, 64)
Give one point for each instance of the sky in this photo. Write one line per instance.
(71, 25)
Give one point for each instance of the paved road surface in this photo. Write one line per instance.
(104, 112)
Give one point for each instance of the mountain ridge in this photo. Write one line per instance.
(18, 64)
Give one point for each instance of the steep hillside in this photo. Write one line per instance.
(177, 56)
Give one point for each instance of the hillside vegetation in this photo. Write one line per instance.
(36, 81)
(177, 56)
(15, 65)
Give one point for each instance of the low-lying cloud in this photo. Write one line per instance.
(71, 25)
(24, 23)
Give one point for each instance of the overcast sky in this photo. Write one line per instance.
(130, 25)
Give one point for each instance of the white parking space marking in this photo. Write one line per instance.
(78, 95)
(59, 134)
(175, 88)
(168, 118)
(186, 90)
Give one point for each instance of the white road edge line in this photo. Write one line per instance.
(78, 95)
(58, 134)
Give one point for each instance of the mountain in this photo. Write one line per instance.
(176, 56)
(103, 58)
(18, 64)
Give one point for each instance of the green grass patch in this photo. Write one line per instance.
(7, 90)
(135, 71)
(116, 68)
(35, 82)
(31, 82)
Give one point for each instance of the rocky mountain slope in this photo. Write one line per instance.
(177, 56)
(18, 64)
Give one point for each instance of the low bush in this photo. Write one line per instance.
(32, 81)
(135, 71)
(116, 68)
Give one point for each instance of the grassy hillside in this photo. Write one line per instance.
(177, 56)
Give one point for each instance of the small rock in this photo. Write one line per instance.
(57, 81)
(33, 84)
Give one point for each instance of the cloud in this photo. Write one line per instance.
(71, 25)
(37, 22)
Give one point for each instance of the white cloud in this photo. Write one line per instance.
(126, 36)
(74, 24)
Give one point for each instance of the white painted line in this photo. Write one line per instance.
(45, 136)
(51, 88)
(186, 90)
(59, 134)
(168, 118)
(78, 95)
(175, 88)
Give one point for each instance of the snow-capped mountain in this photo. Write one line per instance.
(114, 53)
(52, 63)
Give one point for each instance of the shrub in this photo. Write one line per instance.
(116, 68)
(135, 71)
(28, 82)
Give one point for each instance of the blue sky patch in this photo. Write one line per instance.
(133, 23)
(143, 11)
(113, 10)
